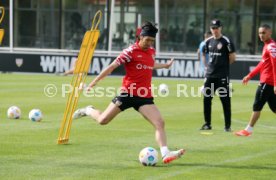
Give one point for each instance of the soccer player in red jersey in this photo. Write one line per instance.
(266, 91)
(138, 60)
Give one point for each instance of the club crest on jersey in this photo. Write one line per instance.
(219, 46)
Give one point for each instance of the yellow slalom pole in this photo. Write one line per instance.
(87, 49)
(2, 32)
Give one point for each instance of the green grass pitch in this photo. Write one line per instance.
(28, 150)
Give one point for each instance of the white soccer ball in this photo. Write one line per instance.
(35, 115)
(14, 112)
(148, 156)
(163, 88)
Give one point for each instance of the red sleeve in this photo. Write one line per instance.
(272, 53)
(256, 70)
(124, 57)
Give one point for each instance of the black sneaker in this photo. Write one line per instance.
(206, 127)
(227, 129)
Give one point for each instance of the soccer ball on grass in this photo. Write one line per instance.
(14, 112)
(35, 115)
(148, 156)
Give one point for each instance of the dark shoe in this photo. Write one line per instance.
(227, 130)
(206, 127)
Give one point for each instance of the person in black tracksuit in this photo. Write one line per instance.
(221, 54)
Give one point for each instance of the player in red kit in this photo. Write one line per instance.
(266, 91)
(138, 60)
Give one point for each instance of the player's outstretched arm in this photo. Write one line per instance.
(103, 74)
(253, 73)
(245, 80)
(161, 65)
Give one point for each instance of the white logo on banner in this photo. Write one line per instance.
(63, 63)
(18, 62)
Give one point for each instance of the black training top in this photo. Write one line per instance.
(219, 50)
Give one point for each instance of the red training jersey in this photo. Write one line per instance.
(267, 66)
(138, 64)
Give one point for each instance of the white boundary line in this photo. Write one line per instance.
(244, 158)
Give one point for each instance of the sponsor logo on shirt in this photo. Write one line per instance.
(143, 66)
(215, 54)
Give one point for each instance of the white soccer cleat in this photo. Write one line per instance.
(173, 155)
(81, 112)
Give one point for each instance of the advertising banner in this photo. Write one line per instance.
(47, 63)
